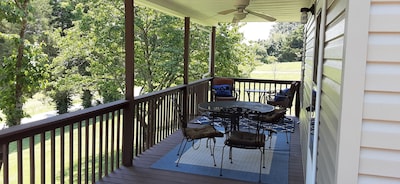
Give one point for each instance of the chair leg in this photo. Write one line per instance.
(270, 132)
(180, 147)
(261, 160)
(222, 161)
(230, 154)
(212, 149)
(287, 138)
(263, 152)
(180, 152)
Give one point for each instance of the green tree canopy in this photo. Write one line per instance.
(24, 64)
(284, 44)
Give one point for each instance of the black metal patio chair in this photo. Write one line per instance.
(193, 134)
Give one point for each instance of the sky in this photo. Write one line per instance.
(256, 30)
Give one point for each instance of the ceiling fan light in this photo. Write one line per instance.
(240, 16)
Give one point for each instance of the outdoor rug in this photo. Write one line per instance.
(245, 164)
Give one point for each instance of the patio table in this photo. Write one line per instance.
(218, 106)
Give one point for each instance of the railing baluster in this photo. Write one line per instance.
(106, 146)
(112, 139)
(118, 136)
(62, 154)
(101, 123)
(80, 152)
(71, 153)
(87, 151)
(5, 163)
(43, 157)
(53, 156)
(93, 149)
(32, 158)
(19, 152)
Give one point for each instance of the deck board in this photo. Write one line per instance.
(141, 172)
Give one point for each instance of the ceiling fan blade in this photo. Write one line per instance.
(226, 11)
(266, 17)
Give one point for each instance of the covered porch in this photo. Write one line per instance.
(89, 145)
(141, 172)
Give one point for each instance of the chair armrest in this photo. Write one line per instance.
(236, 93)
(281, 103)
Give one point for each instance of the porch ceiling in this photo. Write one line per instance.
(206, 11)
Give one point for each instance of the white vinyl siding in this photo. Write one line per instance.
(380, 145)
(306, 88)
(331, 93)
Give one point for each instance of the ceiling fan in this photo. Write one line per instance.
(241, 12)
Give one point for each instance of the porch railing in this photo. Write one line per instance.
(78, 147)
(261, 90)
(155, 116)
(86, 145)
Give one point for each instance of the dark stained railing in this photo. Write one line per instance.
(77, 147)
(86, 145)
(155, 117)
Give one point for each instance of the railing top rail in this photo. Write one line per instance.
(264, 80)
(30, 129)
(163, 92)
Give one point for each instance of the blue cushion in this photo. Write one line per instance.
(279, 97)
(284, 91)
(223, 90)
(282, 95)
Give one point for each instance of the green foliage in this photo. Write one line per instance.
(285, 43)
(24, 63)
(158, 49)
(34, 72)
(86, 99)
(62, 15)
(84, 44)
(91, 51)
(63, 100)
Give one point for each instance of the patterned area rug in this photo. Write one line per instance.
(197, 160)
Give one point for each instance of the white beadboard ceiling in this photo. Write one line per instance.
(206, 11)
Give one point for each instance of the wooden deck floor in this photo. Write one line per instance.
(141, 172)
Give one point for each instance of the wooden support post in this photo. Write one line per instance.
(127, 131)
(186, 69)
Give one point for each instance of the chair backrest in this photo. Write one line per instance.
(179, 113)
(223, 80)
(285, 97)
(291, 93)
(223, 87)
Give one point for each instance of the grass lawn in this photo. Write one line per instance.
(278, 71)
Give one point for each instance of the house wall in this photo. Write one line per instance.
(331, 82)
(327, 153)
(359, 125)
(380, 139)
(307, 85)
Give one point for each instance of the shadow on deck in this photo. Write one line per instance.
(141, 172)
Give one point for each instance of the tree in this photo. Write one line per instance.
(285, 41)
(90, 52)
(159, 51)
(24, 65)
